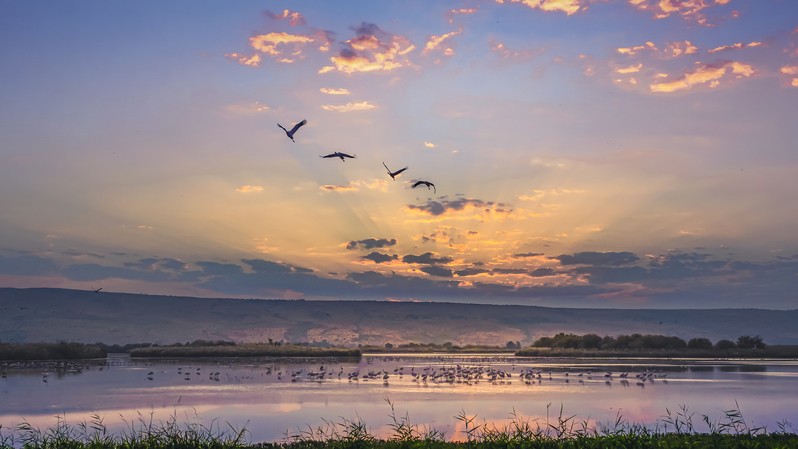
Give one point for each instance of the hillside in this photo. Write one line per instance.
(32, 315)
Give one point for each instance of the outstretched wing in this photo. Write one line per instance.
(417, 183)
(281, 127)
(347, 155)
(330, 155)
(386, 167)
(399, 171)
(434, 190)
(297, 126)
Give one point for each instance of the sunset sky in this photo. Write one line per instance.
(591, 153)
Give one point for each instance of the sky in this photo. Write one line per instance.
(585, 153)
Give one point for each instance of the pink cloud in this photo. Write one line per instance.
(509, 54)
(687, 9)
(736, 46)
(452, 13)
(292, 17)
(567, 6)
(434, 42)
(371, 50)
(705, 74)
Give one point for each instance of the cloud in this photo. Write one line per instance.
(452, 13)
(378, 257)
(370, 243)
(371, 50)
(791, 70)
(736, 46)
(542, 272)
(693, 10)
(249, 189)
(510, 271)
(332, 91)
(629, 69)
(219, 269)
(505, 53)
(247, 108)
(253, 60)
(27, 265)
(429, 144)
(524, 255)
(437, 271)
(433, 42)
(427, 258)
(567, 6)
(709, 74)
(292, 17)
(597, 258)
(353, 186)
(471, 272)
(633, 51)
(349, 107)
(676, 49)
(446, 207)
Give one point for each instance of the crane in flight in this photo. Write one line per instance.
(339, 154)
(425, 183)
(293, 130)
(395, 173)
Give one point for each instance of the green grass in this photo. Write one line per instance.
(676, 430)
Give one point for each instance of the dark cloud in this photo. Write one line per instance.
(156, 263)
(220, 269)
(597, 258)
(436, 208)
(27, 265)
(427, 258)
(543, 271)
(522, 255)
(95, 272)
(370, 243)
(510, 271)
(380, 257)
(471, 272)
(76, 253)
(266, 267)
(368, 29)
(437, 271)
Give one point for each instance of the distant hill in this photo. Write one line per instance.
(47, 315)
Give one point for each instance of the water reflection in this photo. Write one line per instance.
(275, 397)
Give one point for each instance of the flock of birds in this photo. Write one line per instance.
(344, 156)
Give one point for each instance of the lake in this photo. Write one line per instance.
(279, 397)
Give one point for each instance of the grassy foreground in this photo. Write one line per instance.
(675, 430)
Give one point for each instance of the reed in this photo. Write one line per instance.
(677, 429)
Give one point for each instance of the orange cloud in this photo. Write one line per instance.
(632, 51)
(249, 61)
(249, 189)
(331, 91)
(710, 74)
(457, 12)
(353, 186)
(736, 46)
(567, 6)
(349, 107)
(429, 144)
(435, 41)
(791, 70)
(372, 50)
(274, 44)
(630, 69)
(294, 18)
(676, 49)
(688, 9)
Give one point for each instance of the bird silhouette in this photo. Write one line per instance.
(339, 154)
(97, 290)
(291, 133)
(393, 174)
(425, 183)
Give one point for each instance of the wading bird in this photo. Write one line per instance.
(290, 134)
(339, 154)
(425, 183)
(395, 173)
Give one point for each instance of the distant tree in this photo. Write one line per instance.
(591, 341)
(725, 344)
(512, 345)
(699, 343)
(388, 346)
(748, 342)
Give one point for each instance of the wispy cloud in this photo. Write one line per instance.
(452, 13)
(429, 144)
(349, 107)
(371, 50)
(454, 207)
(736, 46)
(434, 42)
(508, 54)
(567, 6)
(292, 17)
(249, 189)
(693, 10)
(334, 91)
(792, 71)
(253, 60)
(634, 68)
(283, 47)
(353, 186)
(254, 107)
(705, 74)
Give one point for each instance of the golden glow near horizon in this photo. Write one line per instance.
(572, 165)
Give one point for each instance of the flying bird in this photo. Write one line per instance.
(395, 173)
(97, 290)
(339, 154)
(291, 133)
(425, 183)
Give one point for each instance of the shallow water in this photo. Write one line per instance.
(274, 398)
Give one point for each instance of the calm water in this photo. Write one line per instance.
(274, 398)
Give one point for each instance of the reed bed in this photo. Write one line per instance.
(677, 429)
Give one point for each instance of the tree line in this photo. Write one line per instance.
(639, 341)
